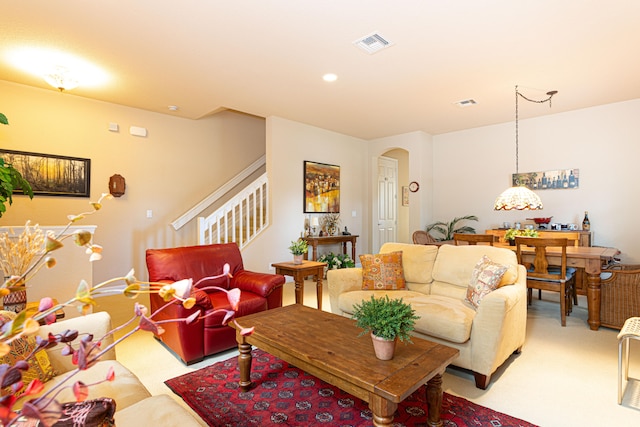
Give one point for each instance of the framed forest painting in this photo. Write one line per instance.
(52, 175)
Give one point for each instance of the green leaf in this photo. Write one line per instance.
(3, 119)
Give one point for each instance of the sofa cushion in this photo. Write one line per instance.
(484, 279)
(454, 264)
(382, 271)
(417, 260)
(126, 389)
(160, 410)
(442, 317)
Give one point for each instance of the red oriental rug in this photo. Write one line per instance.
(286, 396)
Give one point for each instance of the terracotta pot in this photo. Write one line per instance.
(297, 259)
(383, 348)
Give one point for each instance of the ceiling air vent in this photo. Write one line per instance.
(373, 43)
(466, 102)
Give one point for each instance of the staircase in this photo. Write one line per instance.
(241, 219)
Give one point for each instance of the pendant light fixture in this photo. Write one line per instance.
(520, 197)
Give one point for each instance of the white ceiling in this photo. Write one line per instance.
(267, 57)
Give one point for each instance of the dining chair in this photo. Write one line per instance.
(421, 237)
(472, 239)
(542, 276)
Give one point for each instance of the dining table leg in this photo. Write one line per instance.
(593, 271)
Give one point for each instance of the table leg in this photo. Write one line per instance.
(593, 300)
(434, 401)
(353, 249)
(244, 363)
(383, 410)
(299, 281)
(319, 288)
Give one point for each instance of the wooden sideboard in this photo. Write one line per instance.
(583, 238)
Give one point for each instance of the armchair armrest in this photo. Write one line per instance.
(500, 324)
(262, 284)
(97, 324)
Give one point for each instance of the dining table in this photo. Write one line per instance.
(590, 258)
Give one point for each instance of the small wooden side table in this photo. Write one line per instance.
(299, 272)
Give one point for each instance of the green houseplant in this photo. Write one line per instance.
(385, 319)
(10, 180)
(298, 248)
(447, 229)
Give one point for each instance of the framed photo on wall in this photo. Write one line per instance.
(52, 175)
(321, 187)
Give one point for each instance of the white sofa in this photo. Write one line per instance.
(436, 284)
(134, 404)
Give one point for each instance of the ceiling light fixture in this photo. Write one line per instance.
(61, 78)
(330, 77)
(520, 197)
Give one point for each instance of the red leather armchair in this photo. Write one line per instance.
(193, 342)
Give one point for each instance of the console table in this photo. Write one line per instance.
(314, 242)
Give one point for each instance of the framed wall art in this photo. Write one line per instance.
(405, 195)
(52, 175)
(321, 188)
(561, 179)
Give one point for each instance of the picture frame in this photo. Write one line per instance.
(50, 174)
(405, 195)
(561, 179)
(321, 188)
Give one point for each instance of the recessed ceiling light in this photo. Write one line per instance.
(330, 77)
(173, 108)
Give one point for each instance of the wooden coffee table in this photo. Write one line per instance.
(327, 346)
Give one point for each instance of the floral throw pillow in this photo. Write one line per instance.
(485, 278)
(39, 364)
(382, 271)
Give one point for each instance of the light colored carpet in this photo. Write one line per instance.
(563, 377)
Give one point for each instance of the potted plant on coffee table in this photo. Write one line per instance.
(298, 248)
(387, 320)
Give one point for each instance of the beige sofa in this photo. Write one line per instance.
(134, 404)
(437, 279)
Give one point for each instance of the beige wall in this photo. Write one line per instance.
(180, 162)
(472, 167)
(289, 144)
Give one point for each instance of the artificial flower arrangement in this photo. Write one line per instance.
(510, 234)
(35, 249)
(330, 222)
(337, 261)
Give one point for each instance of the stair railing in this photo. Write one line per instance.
(239, 220)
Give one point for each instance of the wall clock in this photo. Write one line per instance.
(414, 186)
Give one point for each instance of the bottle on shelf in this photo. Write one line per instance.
(586, 224)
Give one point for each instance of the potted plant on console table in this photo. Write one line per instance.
(387, 320)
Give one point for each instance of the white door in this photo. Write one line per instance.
(387, 202)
